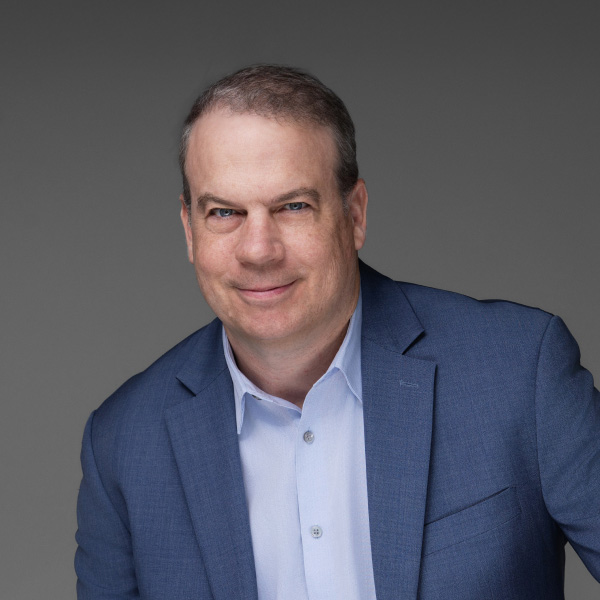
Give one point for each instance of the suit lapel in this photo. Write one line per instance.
(398, 407)
(203, 434)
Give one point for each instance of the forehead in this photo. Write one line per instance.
(224, 143)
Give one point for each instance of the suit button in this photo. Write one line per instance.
(309, 437)
(316, 531)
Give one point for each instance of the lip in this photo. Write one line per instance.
(265, 292)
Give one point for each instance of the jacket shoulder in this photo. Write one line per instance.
(144, 395)
(441, 309)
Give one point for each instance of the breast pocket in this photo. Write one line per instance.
(471, 521)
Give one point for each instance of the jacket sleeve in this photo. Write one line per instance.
(104, 558)
(568, 438)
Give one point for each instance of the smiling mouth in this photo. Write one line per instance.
(265, 292)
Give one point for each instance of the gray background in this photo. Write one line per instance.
(478, 129)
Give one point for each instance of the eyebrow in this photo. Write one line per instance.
(204, 199)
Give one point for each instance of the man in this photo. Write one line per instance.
(333, 434)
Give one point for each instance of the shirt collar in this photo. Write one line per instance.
(347, 360)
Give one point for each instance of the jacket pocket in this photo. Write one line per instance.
(471, 521)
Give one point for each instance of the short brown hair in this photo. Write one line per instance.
(288, 93)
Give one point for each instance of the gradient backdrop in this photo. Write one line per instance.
(478, 131)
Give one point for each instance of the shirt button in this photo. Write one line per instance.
(316, 531)
(309, 437)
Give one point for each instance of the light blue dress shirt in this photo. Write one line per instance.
(305, 480)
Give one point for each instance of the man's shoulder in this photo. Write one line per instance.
(445, 315)
(448, 306)
(145, 394)
(477, 327)
(442, 306)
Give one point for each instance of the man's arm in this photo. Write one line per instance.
(568, 430)
(104, 558)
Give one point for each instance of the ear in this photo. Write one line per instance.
(357, 209)
(186, 218)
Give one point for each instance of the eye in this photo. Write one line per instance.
(222, 213)
(295, 206)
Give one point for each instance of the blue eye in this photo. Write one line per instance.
(295, 205)
(223, 212)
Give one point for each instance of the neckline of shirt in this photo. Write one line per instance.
(347, 360)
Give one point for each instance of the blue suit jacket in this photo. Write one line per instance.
(482, 440)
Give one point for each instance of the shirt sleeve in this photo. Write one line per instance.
(568, 438)
(104, 557)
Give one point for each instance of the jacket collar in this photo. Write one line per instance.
(398, 408)
(204, 440)
(205, 361)
(388, 318)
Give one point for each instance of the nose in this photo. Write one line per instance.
(260, 241)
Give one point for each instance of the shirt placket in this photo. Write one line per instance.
(313, 448)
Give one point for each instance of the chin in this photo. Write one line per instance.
(267, 329)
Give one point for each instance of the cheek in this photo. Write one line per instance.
(331, 258)
(210, 254)
(210, 268)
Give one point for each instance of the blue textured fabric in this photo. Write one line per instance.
(482, 442)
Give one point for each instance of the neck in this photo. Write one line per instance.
(288, 371)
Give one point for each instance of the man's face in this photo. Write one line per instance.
(273, 249)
